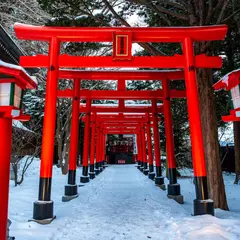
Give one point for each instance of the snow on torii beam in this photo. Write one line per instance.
(75, 34)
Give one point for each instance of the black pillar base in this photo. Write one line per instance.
(92, 175)
(141, 169)
(84, 179)
(101, 169)
(174, 189)
(8, 226)
(151, 175)
(202, 207)
(43, 210)
(177, 198)
(174, 192)
(139, 164)
(71, 190)
(85, 170)
(151, 168)
(71, 177)
(103, 164)
(159, 180)
(172, 175)
(97, 171)
(68, 198)
(145, 171)
(91, 168)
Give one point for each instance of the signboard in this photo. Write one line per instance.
(121, 161)
(134, 144)
(122, 45)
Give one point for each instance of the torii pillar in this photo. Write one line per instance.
(139, 150)
(71, 189)
(101, 149)
(85, 177)
(97, 164)
(142, 147)
(159, 179)
(103, 153)
(145, 164)
(173, 187)
(43, 208)
(92, 151)
(202, 203)
(151, 173)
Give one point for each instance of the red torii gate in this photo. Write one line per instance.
(188, 61)
(110, 120)
(120, 94)
(71, 189)
(159, 180)
(126, 127)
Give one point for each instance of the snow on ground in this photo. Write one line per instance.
(121, 203)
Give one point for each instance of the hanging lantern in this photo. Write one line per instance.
(14, 80)
(231, 83)
(10, 94)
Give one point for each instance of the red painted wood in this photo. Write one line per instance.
(171, 161)
(104, 34)
(73, 149)
(5, 157)
(86, 135)
(149, 141)
(121, 94)
(49, 122)
(65, 61)
(93, 140)
(121, 75)
(194, 111)
(156, 136)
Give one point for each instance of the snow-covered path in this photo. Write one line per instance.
(122, 203)
(121, 206)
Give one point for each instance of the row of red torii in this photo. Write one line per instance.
(122, 39)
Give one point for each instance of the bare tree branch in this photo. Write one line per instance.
(230, 16)
(210, 12)
(146, 46)
(221, 15)
(177, 5)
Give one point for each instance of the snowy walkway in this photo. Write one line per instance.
(121, 203)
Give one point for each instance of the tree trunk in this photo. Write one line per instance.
(236, 129)
(210, 138)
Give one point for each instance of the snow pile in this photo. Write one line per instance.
(121, 203)
(18, 124)
(16, 67)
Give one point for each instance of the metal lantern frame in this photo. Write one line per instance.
(231, 83)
